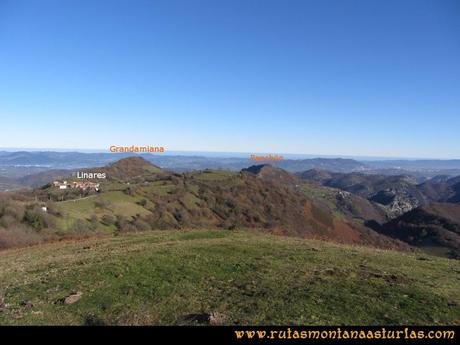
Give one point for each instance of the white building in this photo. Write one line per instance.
(62, 185)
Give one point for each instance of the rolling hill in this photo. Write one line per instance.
(399, 194)
(137, 195)
(446, 190)
(129, 168)
(343, 204)
(273, 174)
(42, 178)
(435, 227)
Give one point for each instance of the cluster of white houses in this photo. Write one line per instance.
(85, 185)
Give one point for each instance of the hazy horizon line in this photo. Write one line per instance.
(227, 154)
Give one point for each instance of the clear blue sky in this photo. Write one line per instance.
(375, 78)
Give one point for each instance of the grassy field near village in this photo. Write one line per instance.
(120, 203)
(239, 277)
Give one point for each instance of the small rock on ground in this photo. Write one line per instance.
(72, 298)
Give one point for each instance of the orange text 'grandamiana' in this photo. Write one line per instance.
(133, 148)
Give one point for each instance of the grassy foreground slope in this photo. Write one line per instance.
(178, 277)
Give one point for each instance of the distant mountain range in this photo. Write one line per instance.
(398, 194)
(21, 168)
(69, 160)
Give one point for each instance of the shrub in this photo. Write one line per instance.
(94, 222)
(7, 221)
(53, 209)
(108, 219)
(102, 204)
(127, 227)
(143, 202)
(35, 218)
(18, 236)
(160, 221)
(121, 222)
(181, 216)
(141, 225)
(14, 210)
(80, 227)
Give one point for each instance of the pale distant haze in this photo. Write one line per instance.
(345, 77)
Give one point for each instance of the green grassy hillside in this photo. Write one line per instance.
(243, 277)
(136, 195)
